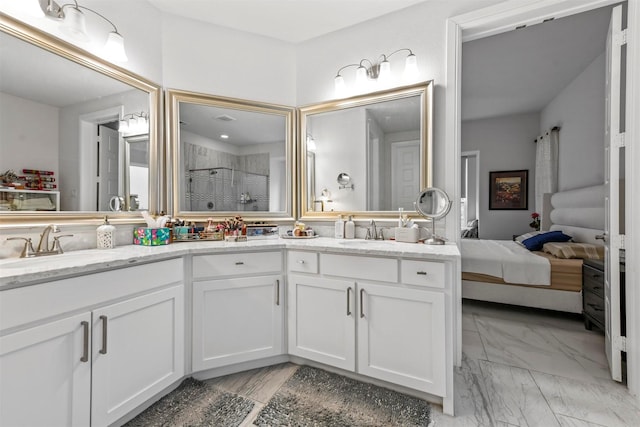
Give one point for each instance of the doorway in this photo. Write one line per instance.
(500, 18)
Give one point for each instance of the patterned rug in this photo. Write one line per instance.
(313, 397)
(195, 403)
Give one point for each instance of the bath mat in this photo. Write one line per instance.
(313, 397)
(195, 403)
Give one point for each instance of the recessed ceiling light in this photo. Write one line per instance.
(224, 136)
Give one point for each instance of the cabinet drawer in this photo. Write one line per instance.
(593, 280)
(369, 268)
(422, 273)
(239, 264)
(593, 305)
(303, 262)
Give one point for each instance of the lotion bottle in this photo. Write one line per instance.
(339, 228)
(349, 229)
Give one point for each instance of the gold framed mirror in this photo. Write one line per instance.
(230, 157)
(382, 141)
(66, 97)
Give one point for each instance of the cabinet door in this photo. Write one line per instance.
(138, 350)
(321, 320)
(401, 336)
(46, 374)
(236, 320)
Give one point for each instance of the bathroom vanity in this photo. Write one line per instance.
(106, 333)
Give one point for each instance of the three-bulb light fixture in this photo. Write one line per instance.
(378, 71)
(73, 23)
(134, 123)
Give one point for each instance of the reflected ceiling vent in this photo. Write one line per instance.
(225, 118)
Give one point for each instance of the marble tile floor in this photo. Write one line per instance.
(520, 368)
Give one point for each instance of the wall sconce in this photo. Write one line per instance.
(73, 23)
(380, 70)
(134, 123)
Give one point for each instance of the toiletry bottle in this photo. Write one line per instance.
(106, 238)
(349, 229)
(339, 228)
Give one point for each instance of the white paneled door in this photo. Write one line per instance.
(613, 239)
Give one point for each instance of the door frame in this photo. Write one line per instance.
(506, 16)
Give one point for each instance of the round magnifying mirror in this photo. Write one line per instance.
(344, 180)
(433, 203)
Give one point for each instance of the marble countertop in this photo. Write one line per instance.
(16, 272)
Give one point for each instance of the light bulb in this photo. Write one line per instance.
(385, 72)
(361, 76)
(123, 126)
(74, 24)
(114, 48)
(311, 144)
(411, 67)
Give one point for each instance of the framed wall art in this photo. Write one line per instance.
(508, 190)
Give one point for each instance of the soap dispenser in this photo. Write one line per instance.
(349, 229)
(339, 228)
(106, 235)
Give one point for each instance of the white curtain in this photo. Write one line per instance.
(546, 166)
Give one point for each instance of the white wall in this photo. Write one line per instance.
(504, 143)
(220, 61)
(27, 128)
(580, 111)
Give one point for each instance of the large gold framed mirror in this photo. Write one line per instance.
(380, 141)
(61, 110)
(230, 157)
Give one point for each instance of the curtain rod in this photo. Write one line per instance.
(555, 128)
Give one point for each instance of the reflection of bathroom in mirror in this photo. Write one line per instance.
(382, 140)
(230, 157)
(62, 117)
(136, 194)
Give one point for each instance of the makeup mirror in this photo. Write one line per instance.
(433, 203)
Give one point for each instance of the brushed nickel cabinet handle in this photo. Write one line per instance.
(349, 301)
(421, 273)
(85, 340)
(239, 263)
(361, 303)
(300, 261)
(104, 319)
(277, 292)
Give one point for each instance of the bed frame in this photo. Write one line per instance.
(579, 213)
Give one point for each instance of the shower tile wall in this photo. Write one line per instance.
(227, 182)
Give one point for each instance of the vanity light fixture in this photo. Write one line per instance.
(311, 143)
(74, 24)
(134, 123)
(380, 70)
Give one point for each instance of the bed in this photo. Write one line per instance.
(506, 272)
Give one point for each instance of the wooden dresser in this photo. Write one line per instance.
(593, 293)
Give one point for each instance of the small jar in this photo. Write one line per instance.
(106, 235)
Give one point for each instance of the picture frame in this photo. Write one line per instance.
(509, 190)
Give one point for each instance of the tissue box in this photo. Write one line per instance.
(409, 235)
(151, 236)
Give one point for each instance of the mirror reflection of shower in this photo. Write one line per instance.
(226, 189)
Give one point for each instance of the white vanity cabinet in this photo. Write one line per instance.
(87, 350)
(238, 306)
(357, 313)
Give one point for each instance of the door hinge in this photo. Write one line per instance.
(620, 343)
(620, 38)
(618, 140)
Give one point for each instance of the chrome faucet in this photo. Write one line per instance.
(372, 232)
(44, 238)
(43, 245)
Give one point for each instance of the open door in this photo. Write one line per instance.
(108, 175)
(613, 239)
